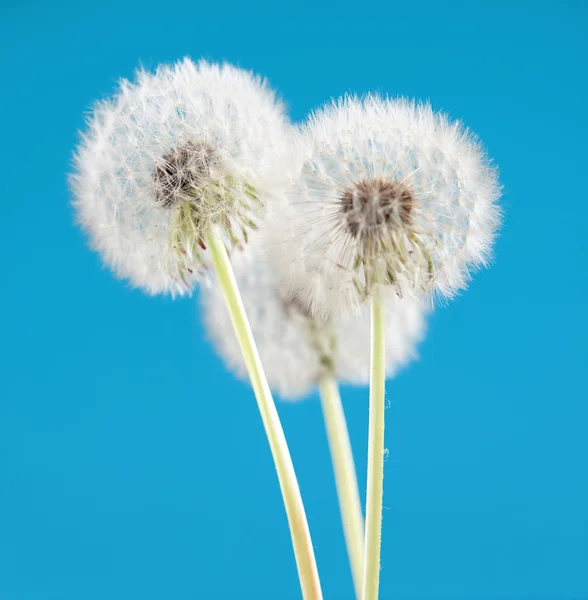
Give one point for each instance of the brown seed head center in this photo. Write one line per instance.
(182, 170)
(372, 203)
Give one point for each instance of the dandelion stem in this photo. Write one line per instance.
(345, 476)
(303, 550)
(373, 528)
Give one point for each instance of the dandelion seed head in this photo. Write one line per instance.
(172, 153)
(385, 193)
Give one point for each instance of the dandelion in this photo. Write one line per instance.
(299, 352)
(170, 156)
(173, 173)
(387, 195)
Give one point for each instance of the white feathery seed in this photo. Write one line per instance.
(169, 155)
(384, 193)
(295, 348)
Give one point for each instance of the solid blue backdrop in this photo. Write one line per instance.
(132, 466)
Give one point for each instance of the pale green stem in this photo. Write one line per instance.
(303, 550)
(345, 476)
(373, 514)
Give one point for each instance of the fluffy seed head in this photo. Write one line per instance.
(385, 194)
(170, 155)
(297, 349)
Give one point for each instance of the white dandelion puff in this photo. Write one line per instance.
(385, 193)
(296, 349)
(167, 157)
(172, 173)
(387, 196)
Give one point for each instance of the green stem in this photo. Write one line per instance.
(345, 476)
(373, 527)
(303, 550)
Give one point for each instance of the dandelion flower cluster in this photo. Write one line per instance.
(385, 193)
(327, 239)
(171, 154)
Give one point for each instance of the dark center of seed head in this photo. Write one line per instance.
(372, 203)
(181, 171)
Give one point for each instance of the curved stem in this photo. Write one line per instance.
(373, 527)
(303, 550)
(345, 476)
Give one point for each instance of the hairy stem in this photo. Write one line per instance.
(345, 476)
(373, 527)
(303, 550)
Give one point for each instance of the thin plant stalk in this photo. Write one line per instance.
(345, 476)
(301, 541)
(373, 525)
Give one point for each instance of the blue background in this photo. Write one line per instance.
(133, 466)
